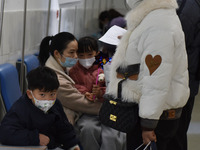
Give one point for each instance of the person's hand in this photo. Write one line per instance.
(96, 91)
(119, 37)
(77, 148)
(89, 96)
(44, 140)
(148, 136)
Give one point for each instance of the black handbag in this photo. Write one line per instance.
(116, 113)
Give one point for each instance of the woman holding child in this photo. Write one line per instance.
(58, 53)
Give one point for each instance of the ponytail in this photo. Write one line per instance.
(44, 50)
(49, 44)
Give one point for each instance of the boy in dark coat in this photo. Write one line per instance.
(37, 118)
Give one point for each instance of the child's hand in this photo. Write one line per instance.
(96, 91)
(44, 140)
(89, 96)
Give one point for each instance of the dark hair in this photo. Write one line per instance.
(114, 14)
(108, 14)
(87, 44)
(42, 78)
(49, 44)
(103, 15)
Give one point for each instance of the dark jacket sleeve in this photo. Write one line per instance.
(12, 131)
(65, 131)
(188, 13)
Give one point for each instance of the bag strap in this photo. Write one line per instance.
(119, 90)
(134, 70)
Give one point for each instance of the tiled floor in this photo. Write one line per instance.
(194, 129)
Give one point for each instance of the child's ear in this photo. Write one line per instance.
(28, 92)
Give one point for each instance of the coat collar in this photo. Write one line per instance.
(52, 63)
(135, 16)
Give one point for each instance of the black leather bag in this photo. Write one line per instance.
(117, 114)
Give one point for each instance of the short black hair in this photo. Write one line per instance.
(42, 78)
(87, 44)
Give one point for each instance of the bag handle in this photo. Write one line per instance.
(152, 145)
(119, 90)
(134, 70)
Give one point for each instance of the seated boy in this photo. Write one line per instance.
(37, 118)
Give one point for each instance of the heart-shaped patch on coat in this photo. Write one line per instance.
(153, 62)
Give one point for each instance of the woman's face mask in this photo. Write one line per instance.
(87, 63)
(43, 105)
(69, 55)
(69, 62)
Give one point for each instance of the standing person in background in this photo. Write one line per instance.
(107, 19)
(89, 80)
(154, 45)
(189, 14)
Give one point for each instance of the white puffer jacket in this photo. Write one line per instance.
(153, 29)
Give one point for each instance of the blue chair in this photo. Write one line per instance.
(36, 54)
(9, 85)
(30, 62)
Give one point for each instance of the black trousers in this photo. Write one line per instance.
(180, 140)
(165, 132)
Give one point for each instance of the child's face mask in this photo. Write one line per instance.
(87, 63)
(43, 105)
(69, 62)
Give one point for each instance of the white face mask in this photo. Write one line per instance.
(43, 105)
(133, 3)
(87, 63)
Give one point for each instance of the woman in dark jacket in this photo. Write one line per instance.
(189, 14)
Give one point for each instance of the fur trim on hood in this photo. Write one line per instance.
(135, 16)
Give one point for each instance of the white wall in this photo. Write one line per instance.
(80, 19)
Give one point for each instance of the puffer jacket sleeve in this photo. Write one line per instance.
(155, 86)
(71, 98)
